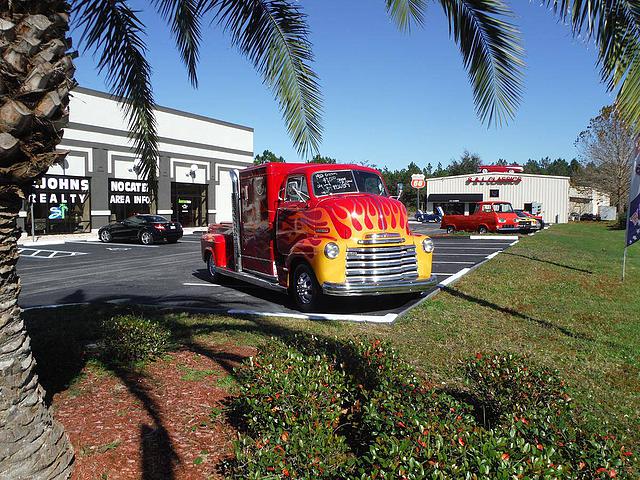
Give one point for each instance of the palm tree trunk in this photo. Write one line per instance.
(36, 74)
(32, 444)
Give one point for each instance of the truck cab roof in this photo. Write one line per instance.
(306, 168)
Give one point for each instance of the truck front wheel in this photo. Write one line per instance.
(305, 289)
(451, 229)
(482, 230)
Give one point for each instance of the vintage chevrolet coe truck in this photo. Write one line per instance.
(316, 230)
(487, 217)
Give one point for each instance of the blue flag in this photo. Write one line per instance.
(633, 220)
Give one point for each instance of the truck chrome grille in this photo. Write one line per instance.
(381, 264)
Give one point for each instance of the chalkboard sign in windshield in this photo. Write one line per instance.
(336, 181)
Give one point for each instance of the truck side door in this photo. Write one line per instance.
(257, 233)
(290, 229)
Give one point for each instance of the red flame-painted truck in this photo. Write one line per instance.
(318, 230)
(487, 217)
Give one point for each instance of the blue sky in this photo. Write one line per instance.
(390, 98)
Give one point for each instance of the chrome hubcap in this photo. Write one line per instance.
(105, 236)
(304, 288)
(146, 238)
(212, 268)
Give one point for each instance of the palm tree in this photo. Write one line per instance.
(36, 75)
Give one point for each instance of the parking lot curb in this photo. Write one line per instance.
(41, 244)
(364, 318)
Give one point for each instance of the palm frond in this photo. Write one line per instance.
(184, 18)
(404, 12)
(492, 53)
(114, 33)
(274, 35)
(615, 27)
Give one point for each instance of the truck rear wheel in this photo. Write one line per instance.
(305, 289)
(451, 229)
(212, 270)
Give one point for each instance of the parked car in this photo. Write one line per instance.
(500, 169)
(425, 217)
(589, 217)
(487, 217)
(146, 229)
(529, 222)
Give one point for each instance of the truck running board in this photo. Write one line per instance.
(253, 279)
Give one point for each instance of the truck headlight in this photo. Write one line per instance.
(331, 250)
(502, 220)
(427, 245)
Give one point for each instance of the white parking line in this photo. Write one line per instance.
(467, 248)
(442, 274)
(201, 284)
(188, 241)
(453, 278)
(33, 253)
(437, 252)
(459, 263)
(489, 257)
(98, 242)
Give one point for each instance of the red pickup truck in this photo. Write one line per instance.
(487, 217)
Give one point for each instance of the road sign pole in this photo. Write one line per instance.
(418, 198)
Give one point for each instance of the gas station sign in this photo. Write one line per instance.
(418, 181)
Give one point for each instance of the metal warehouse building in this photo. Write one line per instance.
(98, 182)
(458, 194)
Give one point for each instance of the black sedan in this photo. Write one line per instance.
(145, 229)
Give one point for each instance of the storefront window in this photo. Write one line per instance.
(189, 204)
(61, 204)
(128, 197)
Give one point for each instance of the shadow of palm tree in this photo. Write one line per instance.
(549, 262)
(515, 313)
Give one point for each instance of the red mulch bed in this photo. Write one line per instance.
(156, 424)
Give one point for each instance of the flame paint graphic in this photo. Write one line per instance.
(343, 218)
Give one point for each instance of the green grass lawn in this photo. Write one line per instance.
(556, 296)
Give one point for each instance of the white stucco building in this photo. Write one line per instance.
(98, 181)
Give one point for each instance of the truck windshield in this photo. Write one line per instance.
(502, 208)
(347, 181)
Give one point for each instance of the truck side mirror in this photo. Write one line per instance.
(399, 189)
(281, 194)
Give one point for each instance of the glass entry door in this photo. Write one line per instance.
(189, 204)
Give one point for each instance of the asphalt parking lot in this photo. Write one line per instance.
(173, 275)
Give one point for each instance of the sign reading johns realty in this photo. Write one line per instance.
(129, 192)
(60, 189)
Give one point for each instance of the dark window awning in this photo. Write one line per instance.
(454, 197)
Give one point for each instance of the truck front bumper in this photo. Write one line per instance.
(380, 288)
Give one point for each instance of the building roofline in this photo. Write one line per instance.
(431, 179)
(160, 108)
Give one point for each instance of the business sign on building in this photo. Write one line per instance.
(58, 189)
(128, 197)
(513, 180)
(60, 204)
(129, 192)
